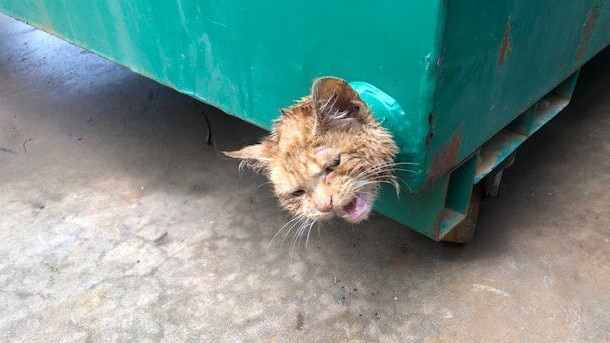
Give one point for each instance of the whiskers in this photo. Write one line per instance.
(302, 227)
(385, 173)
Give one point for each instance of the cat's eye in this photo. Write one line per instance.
(298, 192)
(333, 164)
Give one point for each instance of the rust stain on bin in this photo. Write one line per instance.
(507, 44)
(588, 30)
(435, 231)
(446, 158)
(436, 228)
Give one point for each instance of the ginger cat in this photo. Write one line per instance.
(326, 155)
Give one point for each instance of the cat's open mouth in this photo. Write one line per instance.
(355, 208)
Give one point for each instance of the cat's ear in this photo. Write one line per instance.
(337, 103)
(255, 156)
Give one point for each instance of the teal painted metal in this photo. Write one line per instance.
(505, 142)
(389, 113)
(459, 78)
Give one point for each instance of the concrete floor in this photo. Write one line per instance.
(119, 224)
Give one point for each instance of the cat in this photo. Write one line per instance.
(326, 155)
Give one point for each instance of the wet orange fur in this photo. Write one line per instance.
(333, 123)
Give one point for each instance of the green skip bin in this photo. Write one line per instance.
(461, 84)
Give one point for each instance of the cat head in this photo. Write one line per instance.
(326, 155)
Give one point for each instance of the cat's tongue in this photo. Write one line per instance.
(355, 208)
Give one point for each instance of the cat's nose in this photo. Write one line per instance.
(325, 204)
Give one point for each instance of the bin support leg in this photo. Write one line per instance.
(464, 231)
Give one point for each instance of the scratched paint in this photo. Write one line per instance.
(507, 44)
(588, 30)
